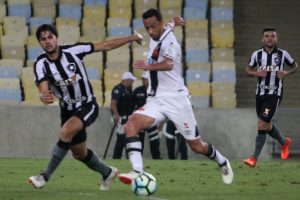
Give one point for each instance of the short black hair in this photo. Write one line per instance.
(268, 29)
(152, 12)
(45, 27)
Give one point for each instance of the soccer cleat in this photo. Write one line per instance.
(105, 184)
(127, 178)
(285, 148)
(251, 162)
(37, 181)
(226, 172)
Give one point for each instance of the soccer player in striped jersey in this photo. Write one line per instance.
(268, 65)
(60, 72)
(168, 97)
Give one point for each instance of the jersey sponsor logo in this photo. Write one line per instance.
(71, 67)
(266, 112)
(78, 99)
(272, 68)
(268, 87)
(68, 81)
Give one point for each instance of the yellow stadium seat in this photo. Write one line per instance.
(21, 32)
(199, 88)
(222, 54)
(11, 2)
(178, 34)
(123, 12)
(120, 3)
(196, 23)
(168, 13)
(71, 2)
(13, 21)
(43, 2)
(146, 3)
(222, 65)
(224, 100)
(196, 32)
(63, 21)
(222, 3)
(196, 65)
(97, 89)
(107, 99)
(45, 9)
(68, 34)
(170, 4)
(114, 74)
(140, 9)
(196, 43)
(119, 55)
(32, 41)
(140, 53)
(94, 60)
(97, 12)
(2, 12)
(222, 38)
(119, 22)
(1, 32)
(12, 47)
(10, 83)
(222, 87)
(221, 24)
(29, 63)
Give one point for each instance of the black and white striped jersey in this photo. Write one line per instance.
(67, 76)
(272, 62)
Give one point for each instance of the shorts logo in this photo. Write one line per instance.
(266, 112)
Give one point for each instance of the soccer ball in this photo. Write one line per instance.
(144, 184)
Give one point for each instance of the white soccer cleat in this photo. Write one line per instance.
(227, 173)
(105, 184)
(37, 181)
(127, 178)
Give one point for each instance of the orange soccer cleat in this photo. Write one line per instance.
(251, 161)
(285, 148)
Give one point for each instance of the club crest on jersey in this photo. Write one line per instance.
(277, 60)
(266, 112)
(72, 67)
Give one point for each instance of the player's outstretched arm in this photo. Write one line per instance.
(46, 95)
(175, 21)
(115, 43)
(165, 65)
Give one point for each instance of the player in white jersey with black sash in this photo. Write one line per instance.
(167, 98)
(60, 71)
(267, 64)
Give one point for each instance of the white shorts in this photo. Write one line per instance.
(176, 108)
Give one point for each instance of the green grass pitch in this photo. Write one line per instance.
(192, 179)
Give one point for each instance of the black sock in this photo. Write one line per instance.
(260, 142)
(276, 134)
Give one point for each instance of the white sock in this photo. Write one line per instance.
(134, 149)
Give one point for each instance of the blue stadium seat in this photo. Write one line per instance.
(93, 73)
(35, 22)
(197, 55)
(201, 4)
(70, 11)
(137, 23)
(194, 13)
(224, 75)
(10, 95)
(221, 13)
(197, 75)
(95, 2)
(8, 72)
(34, 52)
(22, 10)
(119, 31)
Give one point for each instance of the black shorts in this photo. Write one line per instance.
(266, 106)
(87, 113)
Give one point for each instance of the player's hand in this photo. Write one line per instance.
(137, 37)
(116, 118)
(282, 74)
(140, 64)
(178, 21)
(261, 73)
(47, 97)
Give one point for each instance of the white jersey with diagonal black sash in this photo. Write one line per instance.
(67, 76)
(272, 62)
(165, 82)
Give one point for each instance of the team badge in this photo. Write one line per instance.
(72, 67)
(277, 60)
